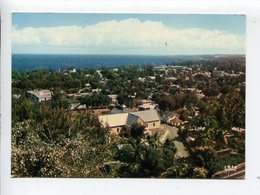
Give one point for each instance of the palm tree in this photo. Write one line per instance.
(200, 172)
(221, 139)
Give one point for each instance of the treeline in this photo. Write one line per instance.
(228, 63)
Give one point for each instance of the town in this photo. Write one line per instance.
(183, 120)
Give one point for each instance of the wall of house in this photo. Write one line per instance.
(44, 99)
(153, 125)
(149, 125)
(115, 130)
(140, 121)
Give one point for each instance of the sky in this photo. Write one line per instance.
(128, 34)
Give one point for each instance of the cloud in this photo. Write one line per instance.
(127, 34)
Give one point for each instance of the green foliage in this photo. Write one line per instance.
(69, 150)
(144, 156)
(95, 100)
(137, 131)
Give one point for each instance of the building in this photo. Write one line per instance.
(96, 90)
(144, 101)
(171, 79)
(188, 90)
(218, 73)
(115, 122)
(174, 121)
(231, 172)
(141, 79)
(148, 106)
(116, 111)
(148, 118)
(202, 74)
(238, 129)
(77, 95)
(40, 95)
(113, 98)
(77, 106)
(88, 85)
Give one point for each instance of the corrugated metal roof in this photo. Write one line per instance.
(116, 111)
(147, 115)
(131, 119)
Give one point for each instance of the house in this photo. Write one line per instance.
(224, 152)
(115, 69)
(113, 98)
(115, 122)
(77, 106)
(73, 70)
(174, 121)
(148, 118)
(40, 95)
(77, 95)
(151, 78)
(188, 90)
(171, 79)
(16, 96)
(195, 91)
(202, 74)
(174, 86)
(99, 73)
(96, 90)
(116, 111)
(148, 106)
(238, 129)
(231, 172)
(88, 85)
(144, 101)
(218, 73)
(141, 79)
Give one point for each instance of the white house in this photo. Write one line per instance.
(115, 122)
(148, 106)
(40, 95)
(113, 98)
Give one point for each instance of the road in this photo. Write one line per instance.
(171, 133)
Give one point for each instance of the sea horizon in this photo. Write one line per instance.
(28, 62)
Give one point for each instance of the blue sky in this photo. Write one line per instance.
(162, 34)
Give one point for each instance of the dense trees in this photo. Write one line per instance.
(95, 100)
(174, 102)
(211, 132)
(144, 156)
(62, 145)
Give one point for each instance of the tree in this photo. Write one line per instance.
(144, 156)
(35, 153)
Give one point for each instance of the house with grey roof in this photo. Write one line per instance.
(148, 118)
(115, 122)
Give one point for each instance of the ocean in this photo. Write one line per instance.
(28, 62)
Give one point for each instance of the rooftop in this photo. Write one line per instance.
(113, 120)
(121, 119)
(147, 115)
(41, 93)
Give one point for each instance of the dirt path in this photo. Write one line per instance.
(171, 133)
